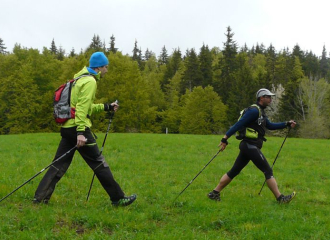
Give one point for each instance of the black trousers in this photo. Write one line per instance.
(250, 152)
(90, 153)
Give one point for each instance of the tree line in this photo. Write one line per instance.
(192, 92)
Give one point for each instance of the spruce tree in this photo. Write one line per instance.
(244, 48)
(260, 49)
(112, 44)
(205, 60)
(227, 66)
(192, 76)
(324, 64)
(290, 108)
(96, 45)
(136, 52)
(311, 65)
(283, 68)
(53, 48)
(72, 53)
(171, 67)
(148, 54)
(163, 57)
(2, 47)
(243, 87)
(61, 54)
(270, 54)
(297, 52)
(137, 55)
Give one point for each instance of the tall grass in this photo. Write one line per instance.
(157, 167)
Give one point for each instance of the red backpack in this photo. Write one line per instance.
(62, 109)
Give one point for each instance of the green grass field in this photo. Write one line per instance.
(157, 168)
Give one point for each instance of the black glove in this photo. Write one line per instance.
(108, 107)
(288, 123)
(224, 140)
(80, 133)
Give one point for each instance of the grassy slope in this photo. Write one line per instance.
(157, 168)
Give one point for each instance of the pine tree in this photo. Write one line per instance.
(53, 48)
(112, 44)
(290, 108)
(260, 49)
(148, 54)
(136, 52)
(283, 67)
(270, 54)
(140, 55)
(96, 45)
(72, 53)
(311, 65)
(192, 76)
(137, 55)
(171, 67)
(324, 64)
(243, 86)
(205, 60)
(227, 66)
(61, 53)
(163, 57)
(244, 48)
(2, 47)
(297, 52)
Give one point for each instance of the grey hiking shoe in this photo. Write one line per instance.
(214, 196)
(286, 199)
(125, 201)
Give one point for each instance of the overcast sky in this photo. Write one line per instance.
(180, 24)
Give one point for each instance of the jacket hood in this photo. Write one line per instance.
(85, 71)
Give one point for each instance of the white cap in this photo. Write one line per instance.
(264, 92)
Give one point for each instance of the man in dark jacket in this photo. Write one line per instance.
(255, 123)
(76, 132)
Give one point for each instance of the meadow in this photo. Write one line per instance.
(157, 167)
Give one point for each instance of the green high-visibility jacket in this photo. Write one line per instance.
(82, 99)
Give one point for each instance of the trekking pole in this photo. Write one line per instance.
(105, 138)
(276, 157)
(38, 173)
(197, 175)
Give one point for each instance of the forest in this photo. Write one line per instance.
(192, 92)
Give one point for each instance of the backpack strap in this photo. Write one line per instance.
(81, 76)
(255, 105)
(260, 118)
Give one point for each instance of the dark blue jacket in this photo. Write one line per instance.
(251, 115)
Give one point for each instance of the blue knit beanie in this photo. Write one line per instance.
(98, 59)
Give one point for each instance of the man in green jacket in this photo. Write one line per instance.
(76, 132)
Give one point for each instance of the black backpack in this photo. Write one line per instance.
(248, 132)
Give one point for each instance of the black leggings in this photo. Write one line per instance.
(250, 152)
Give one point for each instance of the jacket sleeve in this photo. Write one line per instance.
(274, 126)
(250, 115)
(97, 107)
(84, 103)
